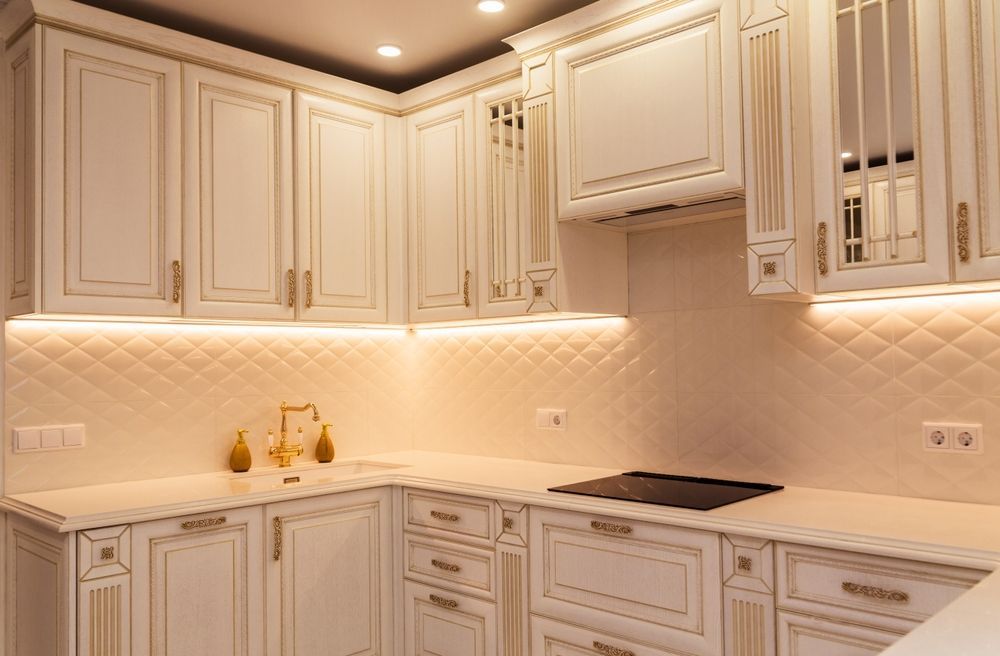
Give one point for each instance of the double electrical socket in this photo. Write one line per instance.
(550, 419)
(957, 438)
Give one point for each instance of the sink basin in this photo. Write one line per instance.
(316, 474)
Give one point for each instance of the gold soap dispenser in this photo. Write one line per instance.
(324, 448)
(239, 459)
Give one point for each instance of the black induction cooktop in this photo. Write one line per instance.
(669, 490)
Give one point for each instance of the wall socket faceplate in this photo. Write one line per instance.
(953, 438)
(550, 419)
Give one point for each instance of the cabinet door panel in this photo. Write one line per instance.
(112, 177)
(440, 623)
(799, 635)
(441, 212)
(329, 586)
(341, 207)
(238, 213)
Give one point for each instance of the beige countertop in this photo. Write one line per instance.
(936, 531)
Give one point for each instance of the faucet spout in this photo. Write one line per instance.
(285, 451)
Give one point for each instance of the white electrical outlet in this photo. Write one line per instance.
(550, 419)
(967, 438)
(936, 437)
(953, 438)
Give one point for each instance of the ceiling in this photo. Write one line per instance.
(340, 36)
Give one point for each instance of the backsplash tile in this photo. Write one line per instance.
(701, 379)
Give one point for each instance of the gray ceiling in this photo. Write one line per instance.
(339, 36)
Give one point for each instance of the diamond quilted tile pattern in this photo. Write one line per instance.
(700, 380)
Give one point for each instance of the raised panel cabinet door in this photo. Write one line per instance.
(198, 585)
(329, 575)
(441, 211)
(974, 126)
(801, 635)
(649, 113)
(442, 623)
(111, 207)
(238, 202)
(879, 163)
(340, 173)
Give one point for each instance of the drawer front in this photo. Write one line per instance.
(875, 591)
(440, 562)
(450, 515)
(811, 636)
(654, 583)
(440, 623)
(552, 638)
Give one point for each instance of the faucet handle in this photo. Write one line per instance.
(270, 437)
(299, 431)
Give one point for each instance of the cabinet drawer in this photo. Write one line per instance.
(448, 563)
(440, 623)
(799, 635)
(654, 583)
(557, 639)
(876, 591)
(450, 515)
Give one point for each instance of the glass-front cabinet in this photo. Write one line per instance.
(880, 173)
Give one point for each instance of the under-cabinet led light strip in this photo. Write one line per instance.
(901, 302)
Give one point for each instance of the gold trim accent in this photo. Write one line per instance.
(962, 231)
(821, 248)
(107, 553)
(875, 592)
(608, 650)
(508, 524)
(276, 523)
(309, 288)
(178, 280)
(465, 288)
(769, 268)
(448, 567)
(539, 291)
(744, 563)
(291, 288)
(443, 516)
(203, 523)
(608, 527)
(445, 603)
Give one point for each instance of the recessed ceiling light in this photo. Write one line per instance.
(388, 50)
(846, 154)
(491, 6)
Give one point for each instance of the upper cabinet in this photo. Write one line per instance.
(648, 113)
(238, 214)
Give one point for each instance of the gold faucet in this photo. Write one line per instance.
(285, 451)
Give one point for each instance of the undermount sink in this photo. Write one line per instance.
(314, 474)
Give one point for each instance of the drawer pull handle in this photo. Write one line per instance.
(443, 516)
(445, 603)
(608, 527)
(203, 523)
(962, 232)
(448, 567)
(608, 650)
(465, 288)
(875, 593)
(178, 280)
(291, 287)
(276, 553)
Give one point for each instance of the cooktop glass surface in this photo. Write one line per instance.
(669, 490)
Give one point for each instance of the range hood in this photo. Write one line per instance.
(718, 207)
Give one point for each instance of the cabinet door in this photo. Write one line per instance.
(879, 152)
(329, 575)
(974, 122)
(649, 113)
(238, 223)
(441, 208)
(112, 186)
(440, 623)
(800, 635)
(197, 585)
(557, 639)
(340, 172)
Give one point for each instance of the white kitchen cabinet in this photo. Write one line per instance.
(441, 211)
(443, 623)
(238, 214)
(329, 575)
(558, 639)
(648, 113)
(198, 585)
(341, 210)
(800, 634)
(96, 176)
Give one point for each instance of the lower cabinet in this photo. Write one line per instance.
(198, 585)
(801, 635)
(443, 623)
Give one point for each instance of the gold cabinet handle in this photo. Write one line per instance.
(443, 516)
(291, 288)
(276, 523)
(465, 288)
(608, 650)
(203, 523)
(441, 601)
(608, 527)
(309, 288)
(875, 592)
(178, 279)
(821, 248)
(448, 567)
(962, 231)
